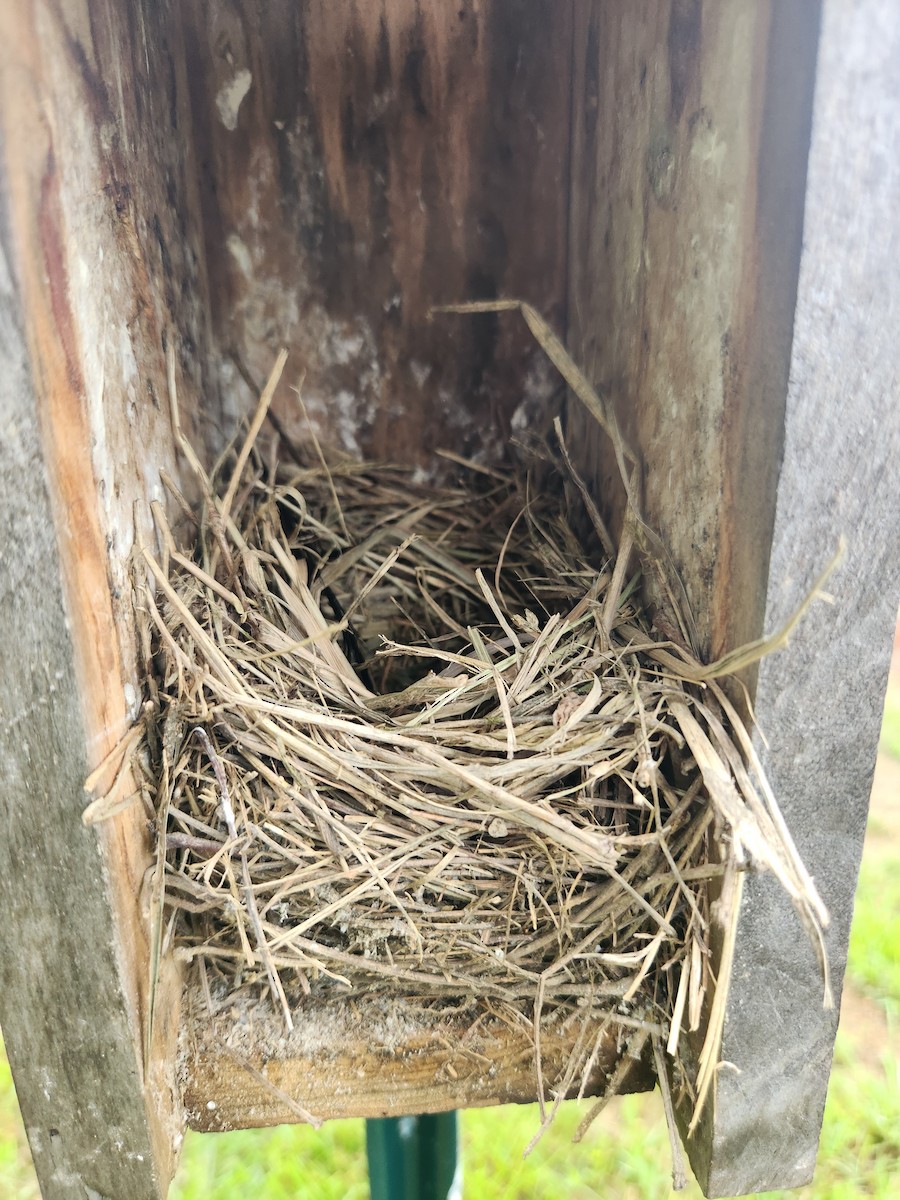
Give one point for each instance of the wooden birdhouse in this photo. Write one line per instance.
(701, 201)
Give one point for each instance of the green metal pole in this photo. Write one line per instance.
(414, 1158)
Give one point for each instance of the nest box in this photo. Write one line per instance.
(686, 191)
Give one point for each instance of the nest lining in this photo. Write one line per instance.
(499, 819)
(421, 740)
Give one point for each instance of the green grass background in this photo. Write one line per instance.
(626, 1153)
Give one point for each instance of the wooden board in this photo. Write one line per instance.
(820, 701)
(691, 130)
(102, 246)
(63, 1002)
(372, 1058)
(360, 163)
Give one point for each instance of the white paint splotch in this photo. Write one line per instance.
(231, 95)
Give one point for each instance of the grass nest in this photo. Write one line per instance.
(417, 738)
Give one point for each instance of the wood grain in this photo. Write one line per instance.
(688, 173)
(97, 193)
(371, 1059)
(65, 1007)
(386, 157)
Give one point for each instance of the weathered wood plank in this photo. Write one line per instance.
(686, 211)
(369, 1059)
(820, 700)
(97, 191)
(63, 1006)
(362, 162)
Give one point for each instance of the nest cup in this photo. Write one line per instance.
(423, 739)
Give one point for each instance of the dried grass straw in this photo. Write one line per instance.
(424, 740)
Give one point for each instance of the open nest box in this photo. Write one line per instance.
(188, 188)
